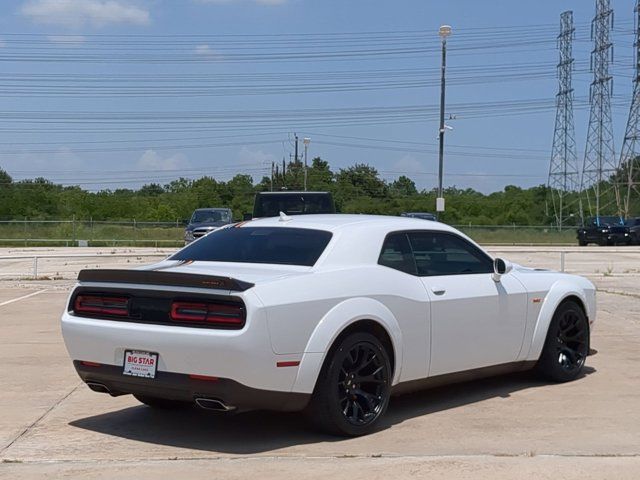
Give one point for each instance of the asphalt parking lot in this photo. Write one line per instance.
(52, 426)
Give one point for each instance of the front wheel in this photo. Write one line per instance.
(353, 388)
(567, 344)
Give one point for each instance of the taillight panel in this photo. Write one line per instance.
(159, 307)
(208, 313)
(101, 305)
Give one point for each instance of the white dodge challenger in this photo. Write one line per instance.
(331, 314)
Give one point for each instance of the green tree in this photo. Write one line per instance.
(403, 187)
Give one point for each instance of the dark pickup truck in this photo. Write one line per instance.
(270, 204)
(633, 224)
(609, 230)
(205, 220)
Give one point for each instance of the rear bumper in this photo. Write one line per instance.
(176, 386)
(243, 356)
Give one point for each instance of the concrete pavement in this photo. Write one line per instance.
(52, 426)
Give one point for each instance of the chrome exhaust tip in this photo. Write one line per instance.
(214, 404)
(98, 387)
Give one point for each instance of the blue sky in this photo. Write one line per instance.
(113, 93)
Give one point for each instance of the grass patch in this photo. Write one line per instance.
(112, 234)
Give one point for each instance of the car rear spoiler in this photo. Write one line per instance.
(173, 279)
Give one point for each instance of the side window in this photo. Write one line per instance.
(396, 253)
(438, 253)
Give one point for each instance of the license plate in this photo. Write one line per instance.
(140, 364)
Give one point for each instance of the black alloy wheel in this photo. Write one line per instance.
(572, 341)
(362, 382)
(567, 344)
(353, 388)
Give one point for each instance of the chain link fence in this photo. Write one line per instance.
(90, 233)
(171, 234)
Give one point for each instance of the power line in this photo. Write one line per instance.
(564, 176)
(599, 160)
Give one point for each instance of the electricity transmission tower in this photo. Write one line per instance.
(597, 185)
(630, 154)
(564, 176)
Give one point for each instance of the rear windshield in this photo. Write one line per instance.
(270, 205)
(283, 246)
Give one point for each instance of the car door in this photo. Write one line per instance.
(475, 321)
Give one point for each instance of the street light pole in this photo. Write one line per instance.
(444, 32)
(306, 141)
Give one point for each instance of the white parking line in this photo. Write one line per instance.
(22, 298)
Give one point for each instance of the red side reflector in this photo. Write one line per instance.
(89, 364)
(101, 305)
(287, 364)
(204, 377)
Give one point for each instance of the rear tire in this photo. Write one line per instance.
(161, 403)
(353, 388)
(567, 344)
(582, 243)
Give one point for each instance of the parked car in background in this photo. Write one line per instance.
(328, 313)
(205, 220)
(633, 224)
(420, 215)
(270, 204)
(604, 230)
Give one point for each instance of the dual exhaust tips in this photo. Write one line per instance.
(202, 402)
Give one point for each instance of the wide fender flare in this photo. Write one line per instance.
(336, 320)
(558, 292)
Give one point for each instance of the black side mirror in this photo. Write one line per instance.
(247, 216)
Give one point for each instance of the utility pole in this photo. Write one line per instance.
(284, 175)
(272, 168)
(564, 176)
(597, 183)
(444, 32)
(630, 148)
(306, 142)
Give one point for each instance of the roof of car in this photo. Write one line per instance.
(337, 221)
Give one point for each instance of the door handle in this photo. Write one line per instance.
(438, 290)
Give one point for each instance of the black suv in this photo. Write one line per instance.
(270, 204)
(205, 220)
(610, 230)
(633, 224)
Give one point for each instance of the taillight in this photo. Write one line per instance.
(101, 305)
(213, 314)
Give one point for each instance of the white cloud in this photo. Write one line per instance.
(255, 157)
(153, 161)
(78, 13)
(59, 164)
(408, 165)
(260, 2)
(411, 167)
(69, 40)
(208, 52)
